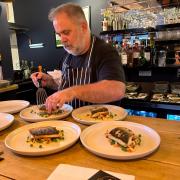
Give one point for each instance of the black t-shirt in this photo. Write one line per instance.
(105, 62)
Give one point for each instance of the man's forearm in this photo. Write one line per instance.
(101, 92)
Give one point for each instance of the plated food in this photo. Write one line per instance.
(98, 113)
(42, 112)
(121, 140)
(34, 114)
(44, 135)
(43, 138)
(132, 87)
(135, 95)
(124, 138)
(168, 98)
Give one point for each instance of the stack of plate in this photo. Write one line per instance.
(4, 83)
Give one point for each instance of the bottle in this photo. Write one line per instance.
(26, 70)
(105, 25)
(40, 69)
(1, 73)
(136, 53)
(129, 55)
(32, 68)
(142, 59)
(147, 54)
(123, 55)
(114, 23)
(22, 69)
(153, 50)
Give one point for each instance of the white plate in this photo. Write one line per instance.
(16, 140)
(13, 106)
(29, 114)
(80, 114)
(93, 138)
(5, 120)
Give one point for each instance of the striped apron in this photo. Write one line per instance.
(77, 76)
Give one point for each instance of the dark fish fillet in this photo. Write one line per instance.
(48, 130)
(99, 109)
(121, 133)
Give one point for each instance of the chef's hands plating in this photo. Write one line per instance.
(59, 98)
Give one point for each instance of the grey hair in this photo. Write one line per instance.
(72, 10)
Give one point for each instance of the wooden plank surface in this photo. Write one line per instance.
(163, 164)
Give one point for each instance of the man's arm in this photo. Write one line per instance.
(101, 92)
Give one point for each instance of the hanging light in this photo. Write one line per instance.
(38, 45)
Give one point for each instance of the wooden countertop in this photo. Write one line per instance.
(162, 164)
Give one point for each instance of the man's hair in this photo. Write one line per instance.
(72, 10)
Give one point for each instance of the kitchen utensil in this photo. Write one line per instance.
(41, 94)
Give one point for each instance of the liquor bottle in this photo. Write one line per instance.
(26, 70)
(32, 68)
(105, 25)
(153, 49)
(147, 54)
(123, 55)
(129, 55)
(142, 59)
(22, 69)
(136, 53)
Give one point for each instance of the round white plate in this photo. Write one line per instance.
(5, 120)
(80, 114)
(94, 139)
(13, 106)
(16, 140)
(29, 114)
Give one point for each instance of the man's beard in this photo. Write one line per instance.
(75, 51)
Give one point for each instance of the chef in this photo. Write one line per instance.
(91, 69)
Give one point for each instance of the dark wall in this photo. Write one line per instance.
(34, 14)
(5, 50)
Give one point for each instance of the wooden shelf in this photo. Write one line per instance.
(143, 30)
(129, 31)
(167, 26)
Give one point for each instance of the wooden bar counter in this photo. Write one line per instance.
(164, 164)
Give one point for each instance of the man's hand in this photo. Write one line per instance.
(39, 75)
(59, 98)
(46, 80)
